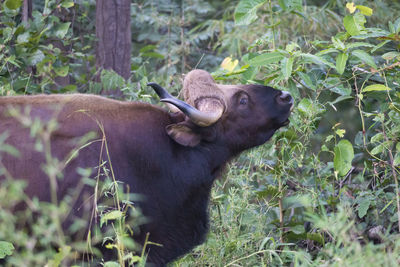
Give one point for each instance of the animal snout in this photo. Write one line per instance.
(284, 98)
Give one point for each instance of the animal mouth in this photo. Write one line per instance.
(286, 122)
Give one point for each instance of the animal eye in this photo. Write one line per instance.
(243, 101)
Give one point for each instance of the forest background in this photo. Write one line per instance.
(323, 192)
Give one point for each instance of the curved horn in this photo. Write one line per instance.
(198, 117)
(162, 93)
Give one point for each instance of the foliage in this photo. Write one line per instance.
(324, 191)
(6, 249)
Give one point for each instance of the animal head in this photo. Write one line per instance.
(240, 116)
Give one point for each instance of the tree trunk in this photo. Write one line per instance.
(26, 16)
(65, 16)
(27, 10)
(113, 31)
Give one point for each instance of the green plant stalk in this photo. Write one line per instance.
(104, 149)
(53, 185)
(120, 245)
(360, 111)
(393, 168)
(280, 201)
(169, 49)
(362, 120)
(182, 23)
(270, 251)
(396, 181)
(145, 245)
(273, 24)
(112, 174)
(44, 136)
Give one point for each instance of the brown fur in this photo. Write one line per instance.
(164, 157)
(199, 88)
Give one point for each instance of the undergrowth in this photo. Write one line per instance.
(323, 191)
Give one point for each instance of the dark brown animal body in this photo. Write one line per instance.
(169, 158)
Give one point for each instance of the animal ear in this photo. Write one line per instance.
(183, 134)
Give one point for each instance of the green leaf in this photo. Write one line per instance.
(365, 10)
(67, 3)
(10, 150)
(337, 86)
(291, 47)
(341, 61)
(246, 11)
(264, 59)
(111, 264)
(306, 107)
(135, 259)
(341, 98)
(13, 4)
(12, 61)
(36, 58)
(298, 229)
(110, 216)
(365, 57)
(363, 207)
(375, 87)
(111, 80)
(391, 55)
(62, 71)
(354, 24)
(59, 257)
(359, 44)
(327, 51)
(68, 88)
(329, 138)
(376, 138)
(340, 132)
(396, 25)
(396, 160)
(153, 55)
(344, 154)
(307, 80)
(316, 237)
(287, 66)
(378, 46)
(378, 149)
(6, 249)
(317, 60)
(147, 48)
(23, 38)
(372, 33)
(324, 148)
(337, 43)
(62, 29)
(291, 5)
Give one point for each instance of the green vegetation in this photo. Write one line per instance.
(324, 191)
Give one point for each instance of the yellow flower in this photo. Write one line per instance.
(351, 7)
(228, 64)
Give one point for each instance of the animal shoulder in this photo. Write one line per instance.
(75, 101)
(55, 98)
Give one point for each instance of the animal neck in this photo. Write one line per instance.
(217, 156)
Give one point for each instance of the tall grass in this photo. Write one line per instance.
(42, 233)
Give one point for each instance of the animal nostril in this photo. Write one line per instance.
(285, 97)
